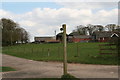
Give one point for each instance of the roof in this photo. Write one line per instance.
(74, 34)
(114, 34)
(77, 35)
(60, 34)
(117, 33)
(103, 33)
(44, 37)
(82, 36)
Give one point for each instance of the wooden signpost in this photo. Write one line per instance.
(65, 49)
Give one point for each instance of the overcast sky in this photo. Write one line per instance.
(43, 18)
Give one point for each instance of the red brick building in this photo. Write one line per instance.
(80, 38)
(76, 37)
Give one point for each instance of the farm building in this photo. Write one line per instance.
(60, 38)
(103, 36)
(76, 37)
(81, 38)
(45, 39)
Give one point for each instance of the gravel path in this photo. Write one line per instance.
(38, 69)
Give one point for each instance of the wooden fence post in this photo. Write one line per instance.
(48, 52)
(42, 50)
(58, 51)
(77, 51)
(32, 50)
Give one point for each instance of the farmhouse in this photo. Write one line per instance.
(102, 36)
(45, 39)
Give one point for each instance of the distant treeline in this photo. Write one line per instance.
(12, 33)
(89, 29)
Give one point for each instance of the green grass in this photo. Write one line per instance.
(5, 69)
(51, 79)
(63, 77)
(42, 79)
(88, 53)
(67, 76)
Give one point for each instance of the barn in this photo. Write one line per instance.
(82, 38)
(76, 37)
(102, 36)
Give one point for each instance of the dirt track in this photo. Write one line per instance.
(38, 69)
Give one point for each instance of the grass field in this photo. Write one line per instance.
(5, 69)
(63, 77)
(77, 53)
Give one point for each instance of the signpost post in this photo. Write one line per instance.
(65, 49)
